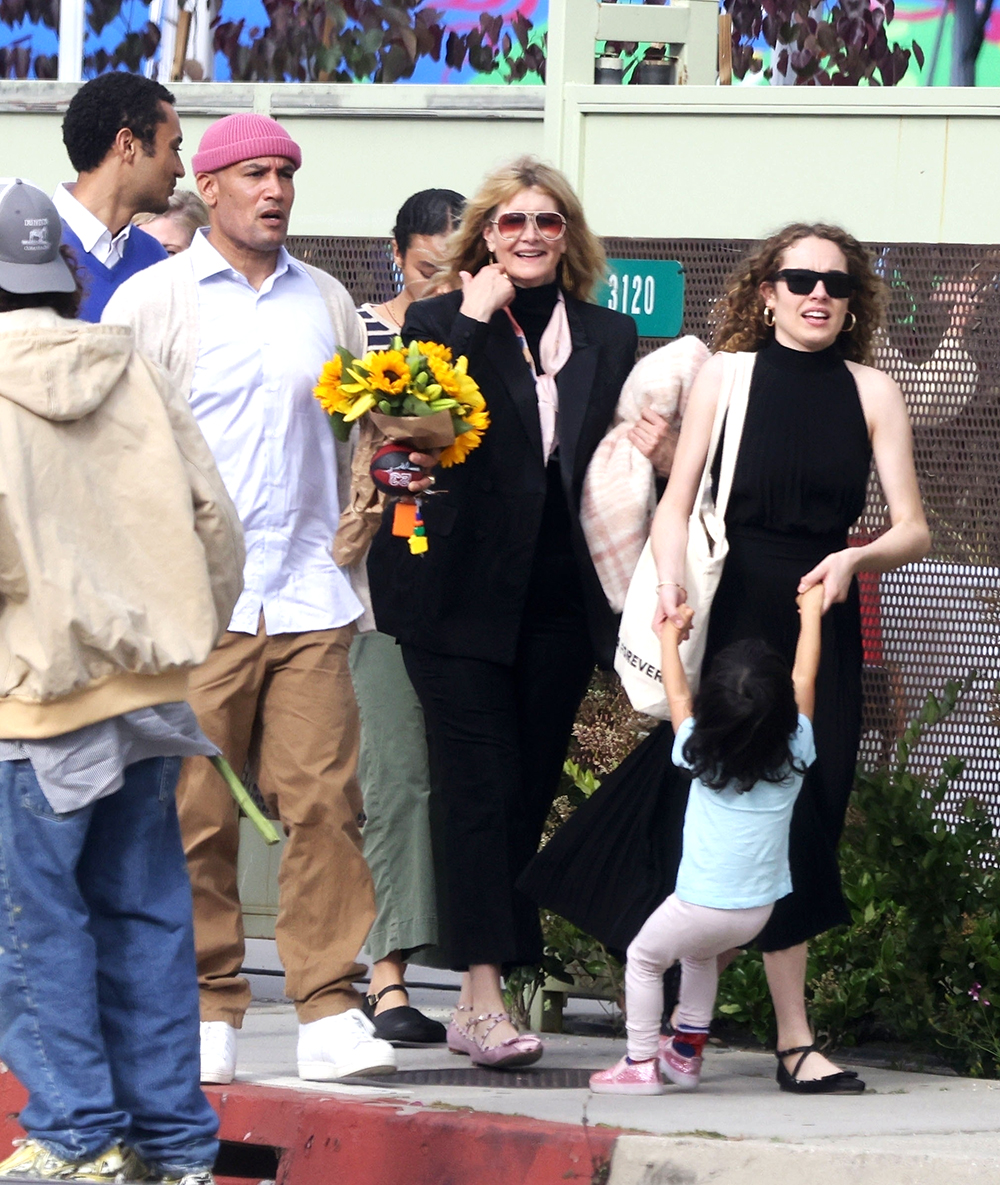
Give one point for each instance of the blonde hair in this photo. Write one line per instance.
(583, 263)
(185, 207)
(739, 315)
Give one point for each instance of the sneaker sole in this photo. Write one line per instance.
(626, 1088)
(219, 1078)
(331, 1071)
(681, 1082)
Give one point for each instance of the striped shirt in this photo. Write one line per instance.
(380, 332)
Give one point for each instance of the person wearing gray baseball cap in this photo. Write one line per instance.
(31, 260)
(120, 561)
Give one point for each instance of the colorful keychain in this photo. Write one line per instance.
(418, 540)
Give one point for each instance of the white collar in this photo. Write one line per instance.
(87, 227)
(206, 261)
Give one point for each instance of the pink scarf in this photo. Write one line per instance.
(554, 351)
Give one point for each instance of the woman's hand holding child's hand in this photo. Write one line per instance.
(834, 573)
(680, 623)
(670, 600)
(811, 601)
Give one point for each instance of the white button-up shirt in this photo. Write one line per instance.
(94, 236)
(259, 356)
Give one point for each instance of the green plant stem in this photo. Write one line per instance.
(245, 802)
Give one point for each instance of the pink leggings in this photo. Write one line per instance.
(696, 935)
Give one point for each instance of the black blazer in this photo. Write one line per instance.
(466, 595)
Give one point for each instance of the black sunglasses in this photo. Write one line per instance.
(801, 281)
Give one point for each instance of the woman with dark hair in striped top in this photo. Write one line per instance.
(423, 223)
(392, 768)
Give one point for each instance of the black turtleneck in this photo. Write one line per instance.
(804, 454)
(532, 309)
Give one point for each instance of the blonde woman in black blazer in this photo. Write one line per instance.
(502, 621)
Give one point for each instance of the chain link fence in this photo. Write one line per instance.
(932, 621)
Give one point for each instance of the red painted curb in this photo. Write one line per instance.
(327, 1140)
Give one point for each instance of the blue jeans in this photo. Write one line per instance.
(98, 990)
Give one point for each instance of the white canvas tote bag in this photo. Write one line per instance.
(637, 657)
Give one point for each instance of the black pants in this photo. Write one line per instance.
(497, 738)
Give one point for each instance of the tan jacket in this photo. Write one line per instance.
(121, 554)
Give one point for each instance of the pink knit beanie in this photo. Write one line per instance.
(242, 137)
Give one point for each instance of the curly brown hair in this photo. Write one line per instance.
(583, 262)
(739, 315)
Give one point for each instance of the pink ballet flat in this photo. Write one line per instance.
(522, 1050)
(458, 1037)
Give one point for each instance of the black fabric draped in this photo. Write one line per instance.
(800, 482)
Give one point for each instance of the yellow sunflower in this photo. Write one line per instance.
(328, 390)
(332, 370)
(387, 372)
(456, 453)
(434, 350)
(444, 376)
(466, 388)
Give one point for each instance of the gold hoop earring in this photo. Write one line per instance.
(849, 328)
(768, 316)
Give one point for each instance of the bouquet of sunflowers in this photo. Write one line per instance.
(415, 397)
(414, 394)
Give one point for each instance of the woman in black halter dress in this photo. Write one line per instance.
(815, 419)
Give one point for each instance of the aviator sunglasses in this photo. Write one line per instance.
(801, 281)
(548, 223)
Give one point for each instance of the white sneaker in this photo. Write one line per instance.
(218, 1052)
(341, 1047)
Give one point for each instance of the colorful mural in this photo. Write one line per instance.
(929, 23)
(24, 39)
(921, 20)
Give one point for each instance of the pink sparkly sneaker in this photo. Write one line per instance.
(628, 1078)
(682, 1071)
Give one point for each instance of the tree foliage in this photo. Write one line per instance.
(18, 61)
(850, 45)
(369, 40)
(304, 41)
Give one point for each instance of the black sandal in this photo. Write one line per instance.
(403, 1025)
(843, 1082)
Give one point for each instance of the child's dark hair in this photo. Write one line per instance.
(429, 212)
(744, 718)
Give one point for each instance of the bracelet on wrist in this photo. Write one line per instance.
(672, 584)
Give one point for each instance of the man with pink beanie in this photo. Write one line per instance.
(243, 329)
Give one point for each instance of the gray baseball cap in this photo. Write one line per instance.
(30, 233)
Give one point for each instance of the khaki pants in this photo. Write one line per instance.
(285, 704)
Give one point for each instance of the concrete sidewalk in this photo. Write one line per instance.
(908, 1129)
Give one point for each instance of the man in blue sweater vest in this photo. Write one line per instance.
(123, 138)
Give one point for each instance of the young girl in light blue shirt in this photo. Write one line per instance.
(748, 741)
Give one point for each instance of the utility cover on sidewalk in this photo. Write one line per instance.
(528, 1078)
